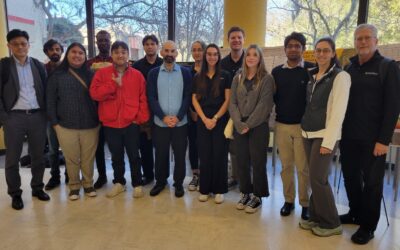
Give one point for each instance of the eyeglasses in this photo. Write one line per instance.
(323, 51)
(23, 44)
(293, 46)
(365, 38)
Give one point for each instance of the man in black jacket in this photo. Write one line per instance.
(22, 113)
(368, 127)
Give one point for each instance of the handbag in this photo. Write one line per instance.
(228, 131)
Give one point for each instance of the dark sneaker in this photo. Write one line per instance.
(179, 191)
(156, 189)
(194, 183)
(362, 236)
(348, 219)
(304, 213)
(53, 183)
(232, 184)
(287, 209)
(101, 181)
(253, 205)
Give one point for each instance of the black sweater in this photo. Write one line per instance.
(290, 95)
(374, 103)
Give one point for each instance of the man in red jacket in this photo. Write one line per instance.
(121, 93)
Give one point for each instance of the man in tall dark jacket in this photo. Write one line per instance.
(368, 127)
(22, 113)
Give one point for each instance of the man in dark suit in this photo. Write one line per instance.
(22, 113)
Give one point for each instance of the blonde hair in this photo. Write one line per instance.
(261, 69)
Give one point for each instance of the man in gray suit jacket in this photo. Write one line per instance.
(22, 113)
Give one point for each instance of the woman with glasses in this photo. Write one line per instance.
(327, 96)
(73, 114)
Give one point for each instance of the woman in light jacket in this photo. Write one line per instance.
(327, 96)
(250, 106)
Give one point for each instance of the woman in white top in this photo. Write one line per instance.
(327, 96)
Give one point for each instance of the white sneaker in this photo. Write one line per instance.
(203, 197)
(137, 192)
(219, 198)
(73, 195)
(116, 190)
(91, 192)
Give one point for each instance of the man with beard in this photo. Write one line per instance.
(102, 60)
(169, 95)
(291, 81)
(232, 63)
(53, 50)
(144, 65)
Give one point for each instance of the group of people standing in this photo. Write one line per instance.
(159, 103)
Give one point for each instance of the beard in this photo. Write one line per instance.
(169, 59)
(55, 58)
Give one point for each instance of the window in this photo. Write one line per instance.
(314, 19)
(130, 21)
(388, 24)
(64, 20)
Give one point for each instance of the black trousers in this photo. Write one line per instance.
(213, 152)
(163, 138)
(120, 140)
(363, 179)
(100, 155)
(54, 153)
(251, 154)
(16, 127)
(146, 156)
(193, 145)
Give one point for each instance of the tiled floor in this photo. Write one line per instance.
(165, 222)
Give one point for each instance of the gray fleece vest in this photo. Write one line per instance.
(318, 92)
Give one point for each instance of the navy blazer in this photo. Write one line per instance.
(152, 92)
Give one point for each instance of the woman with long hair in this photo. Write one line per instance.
(198, 48)
(210, 99)
(327, 96)
(73, 114)
(250, 107)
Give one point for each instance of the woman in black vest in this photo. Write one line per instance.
(327, 96)
(211, 91)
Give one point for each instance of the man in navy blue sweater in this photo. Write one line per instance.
(169, 95)
(290, 99)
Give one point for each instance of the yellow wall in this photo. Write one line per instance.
(3, 31)
(250, 15)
